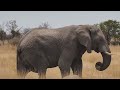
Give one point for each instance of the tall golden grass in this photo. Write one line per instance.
(8, 65)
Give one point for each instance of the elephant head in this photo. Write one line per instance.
(93, 39)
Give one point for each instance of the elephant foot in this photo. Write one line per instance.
(21, 75)
(42, 74)
(77, 73)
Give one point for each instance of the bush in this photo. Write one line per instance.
(14, 41)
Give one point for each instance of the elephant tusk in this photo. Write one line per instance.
(110, 53)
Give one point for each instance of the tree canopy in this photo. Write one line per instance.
(111, 30)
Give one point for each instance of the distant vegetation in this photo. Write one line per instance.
(11, 32)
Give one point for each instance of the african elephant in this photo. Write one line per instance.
(40, 49)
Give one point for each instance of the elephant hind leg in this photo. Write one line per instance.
(22, 73)
(40, 64)
(22, 70)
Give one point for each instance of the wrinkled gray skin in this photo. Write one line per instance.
(62, 47)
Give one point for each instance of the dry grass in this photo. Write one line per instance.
(8, 65)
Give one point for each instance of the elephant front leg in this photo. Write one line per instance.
(64, 65)
(77, 67)
(66, 59)
(42, 74)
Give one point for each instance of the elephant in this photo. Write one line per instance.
(64, 47)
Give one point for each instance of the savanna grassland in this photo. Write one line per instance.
(8, 65)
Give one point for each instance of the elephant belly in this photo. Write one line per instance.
(53, 61)
(52, 52)
(53, 58)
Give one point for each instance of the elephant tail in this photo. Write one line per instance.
(18, 60)
(18, 54)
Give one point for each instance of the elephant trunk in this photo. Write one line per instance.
(106, 62)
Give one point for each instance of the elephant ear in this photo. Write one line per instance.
(84, 38)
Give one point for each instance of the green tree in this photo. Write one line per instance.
(111, 29)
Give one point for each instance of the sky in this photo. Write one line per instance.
(56, 19)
